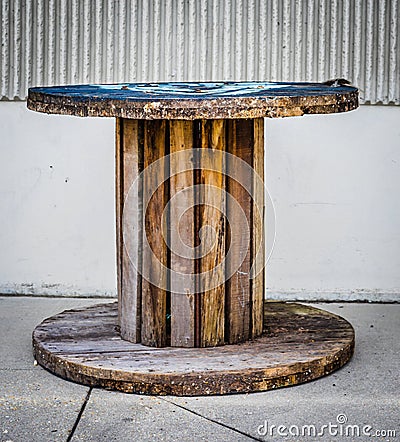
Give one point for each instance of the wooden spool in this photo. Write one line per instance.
(218, 302)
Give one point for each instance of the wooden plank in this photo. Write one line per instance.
(258, 241)
(154, 297)
(118, 171)
(212, 302)
(238, 294)
(130, 279)
(182, 303)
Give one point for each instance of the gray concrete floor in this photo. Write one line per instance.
(37, 406)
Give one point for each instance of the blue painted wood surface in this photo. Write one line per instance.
(182, 91)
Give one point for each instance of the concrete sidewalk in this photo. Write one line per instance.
(37, 406)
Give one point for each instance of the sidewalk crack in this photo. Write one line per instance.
(78, 418)
(212, 420)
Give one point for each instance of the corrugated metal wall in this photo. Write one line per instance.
(46, 42)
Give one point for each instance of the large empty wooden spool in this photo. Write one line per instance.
(207, 341)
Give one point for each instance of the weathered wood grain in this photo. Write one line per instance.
(300, 343)
(257, 241)
(239, 287)
(212, 228)
(130, 165)
(183, 302)
(226, 312)
(154, 297)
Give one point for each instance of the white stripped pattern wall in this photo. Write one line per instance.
(46, 42)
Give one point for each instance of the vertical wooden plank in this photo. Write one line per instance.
(258, 241)
(182, 303)
(118, 178)
(154, 297)
(211, 213)
(238, 294)
(130, 279)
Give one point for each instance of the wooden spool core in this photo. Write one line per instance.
(299, 344)
(231, 310)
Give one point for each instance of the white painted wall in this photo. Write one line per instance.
(334, 181)
(56, 203)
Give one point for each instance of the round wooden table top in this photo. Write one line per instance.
(189, 101)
